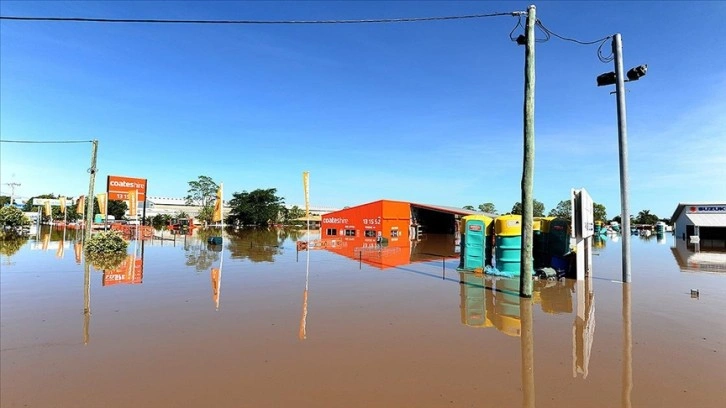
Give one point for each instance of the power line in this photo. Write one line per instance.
(164, 21)
(601, 41)
(46, 141)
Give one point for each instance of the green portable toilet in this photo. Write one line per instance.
(473, 308)
(475, 239)
(558, 239)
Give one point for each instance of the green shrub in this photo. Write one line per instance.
(109, 242)
(11, 217)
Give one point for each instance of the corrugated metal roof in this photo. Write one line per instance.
(708, 220)
(454, 210)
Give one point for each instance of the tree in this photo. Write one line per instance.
(645, 217)
(203, 193)
(117, 209)
(599, 212)
(258, 207)
(290, 215)
(4, 200)
(469, 207)
(562, 210)
(12, 217)
(617, 219)
(488, 208)
(537, 208)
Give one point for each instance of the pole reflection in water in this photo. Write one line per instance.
(583, 328)
(627, 348)
(302, 333)
(216, 276)
(527, 348)
(86, 300)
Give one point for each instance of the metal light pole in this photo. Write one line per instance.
(623, 150)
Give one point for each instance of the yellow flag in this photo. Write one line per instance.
(218, 206)
(133, 202)
(63, 205)
(46, 208)
(102, 204)
(306, 188)
(81, 205)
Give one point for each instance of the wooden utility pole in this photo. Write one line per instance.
(525, 277)
(91, 184)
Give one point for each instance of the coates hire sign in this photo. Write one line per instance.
(706, 209)
(118, 187)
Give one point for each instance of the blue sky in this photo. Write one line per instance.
(424, 112)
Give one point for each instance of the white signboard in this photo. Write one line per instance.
(582, 214)
(54, 202)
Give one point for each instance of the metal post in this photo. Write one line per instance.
(623, 149)
(91, 184)
(525, 277)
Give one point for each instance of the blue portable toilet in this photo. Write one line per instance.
(477, 250)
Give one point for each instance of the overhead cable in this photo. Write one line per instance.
(165, 21)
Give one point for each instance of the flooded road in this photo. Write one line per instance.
(255, 323)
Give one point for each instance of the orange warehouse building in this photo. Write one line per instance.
(392, 222)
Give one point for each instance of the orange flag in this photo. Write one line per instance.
(46, 208)
(81, 205)
(218, 206)
(63, 205)
(216, 283)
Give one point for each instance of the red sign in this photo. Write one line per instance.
(118, 188)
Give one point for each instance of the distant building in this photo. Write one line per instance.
(701, 223)
(392, 221)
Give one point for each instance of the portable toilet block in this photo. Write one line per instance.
(475, 239)
(558, 239)
(508, 230)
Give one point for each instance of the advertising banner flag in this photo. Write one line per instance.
(63, 205)
(81, 205)
(306, 187)
(102, 203)
(218, 206)
(133, 202)
(46, 209)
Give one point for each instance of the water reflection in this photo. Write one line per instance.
(692, 259)
(257, 245)
(488, 301)
(8, 248)
(436, 247)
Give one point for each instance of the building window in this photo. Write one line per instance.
(349, 233)
(370, 233)
(331, 231)
(394, 233)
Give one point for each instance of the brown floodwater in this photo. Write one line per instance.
(255, 323)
